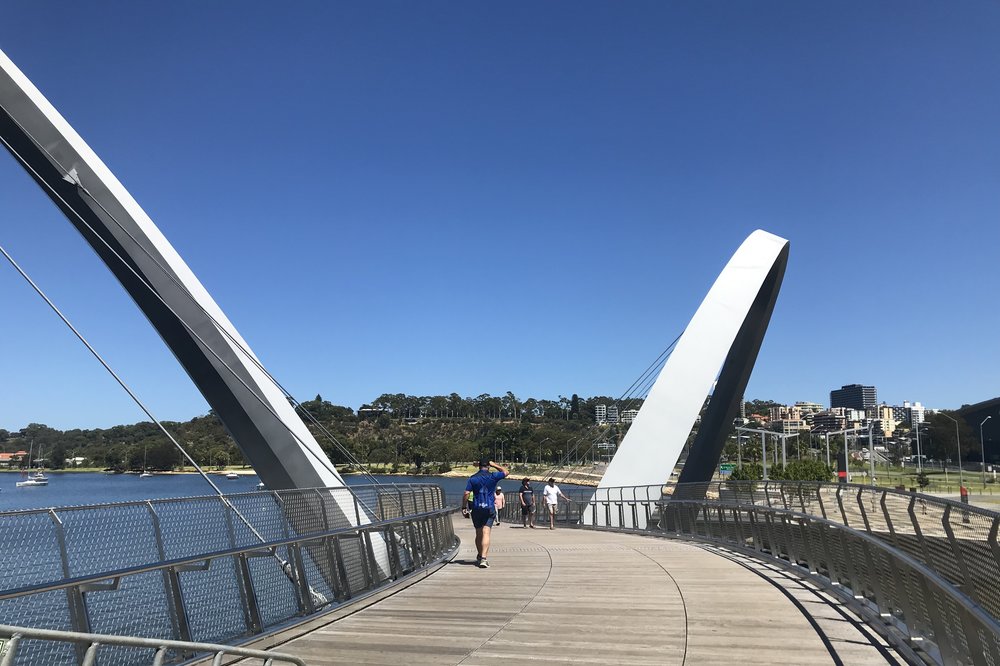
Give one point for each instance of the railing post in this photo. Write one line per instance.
(968, 585)
(248, 598)
(819, 500)
(861, 507)
(306, 605)
(244, 584)
(832, 570)
(79, 618)
(916, 530)
(840, 503)
(341, 569)
(331, 557)
(171, 583)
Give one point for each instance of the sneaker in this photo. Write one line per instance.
(484, 564)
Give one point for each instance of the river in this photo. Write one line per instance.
(78, 488)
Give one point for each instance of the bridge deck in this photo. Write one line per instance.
(581, 597)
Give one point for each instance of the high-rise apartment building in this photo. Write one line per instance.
(914, 412)
(854, 396)
(613, 414)
(601, 413)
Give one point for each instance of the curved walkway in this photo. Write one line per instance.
(580, 597)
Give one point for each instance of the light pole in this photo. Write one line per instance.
(784, 438)
(871, 453)
(763, 446)
(958, 443)
(982, 444)
(847, 449)
(540, 449)
(920, 456)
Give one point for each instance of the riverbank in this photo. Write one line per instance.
(587, 476)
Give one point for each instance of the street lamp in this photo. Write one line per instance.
(540, 449)
(982, 444)
(763, 445)
(958, 443)
(847, 448)
(784, 438)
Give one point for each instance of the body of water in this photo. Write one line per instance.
(80, 488)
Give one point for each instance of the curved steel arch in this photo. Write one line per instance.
(255, 412)
(725, 332)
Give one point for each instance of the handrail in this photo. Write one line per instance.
(182, 568)
(192, 498)
(266, 547)
(95, 641)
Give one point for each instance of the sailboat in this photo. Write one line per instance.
(36, 479)
(144, 472)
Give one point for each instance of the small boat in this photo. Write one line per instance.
(261, 486)
(145, 474)
(32, 482)
(232, 475)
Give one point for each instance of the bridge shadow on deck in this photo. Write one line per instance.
(583, 597)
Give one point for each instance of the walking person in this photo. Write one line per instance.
(551, 495)
(499, 502)
(527, 497)
(480, 493)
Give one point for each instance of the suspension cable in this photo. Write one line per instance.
(71, 177)
(285, 566)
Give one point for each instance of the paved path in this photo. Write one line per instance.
(579, 597)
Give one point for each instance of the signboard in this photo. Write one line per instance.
(726, 468)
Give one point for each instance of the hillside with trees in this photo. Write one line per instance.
(393, 432)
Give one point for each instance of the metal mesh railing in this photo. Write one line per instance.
(195, 569)
(93, 647)
(925, 564)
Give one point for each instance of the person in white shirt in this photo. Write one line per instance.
(551, 495)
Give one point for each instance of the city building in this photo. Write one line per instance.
(601, 413)
(828, 421)
(788, 426)
(884, 416)
(915, 413)
(629, 415)
(854, 396)
(613, 414)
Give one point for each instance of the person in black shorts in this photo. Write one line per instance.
(527, 497)
(479, 492)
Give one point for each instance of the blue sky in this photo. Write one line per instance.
(476, 197)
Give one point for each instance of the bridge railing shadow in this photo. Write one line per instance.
(209, 569)
(926, 569)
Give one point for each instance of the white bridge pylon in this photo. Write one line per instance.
(721, 341)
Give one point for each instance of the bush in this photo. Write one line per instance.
(749, 472)
(923, 480)
(807, 470)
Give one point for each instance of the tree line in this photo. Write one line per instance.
(394, 430)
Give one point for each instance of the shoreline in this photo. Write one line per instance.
(462, 472)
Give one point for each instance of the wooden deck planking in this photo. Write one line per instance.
(581, 597)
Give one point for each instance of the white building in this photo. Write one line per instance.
(915, 412)
(601, 413)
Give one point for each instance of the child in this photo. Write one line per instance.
(498, 503)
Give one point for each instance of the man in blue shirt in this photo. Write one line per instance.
(479, 493)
